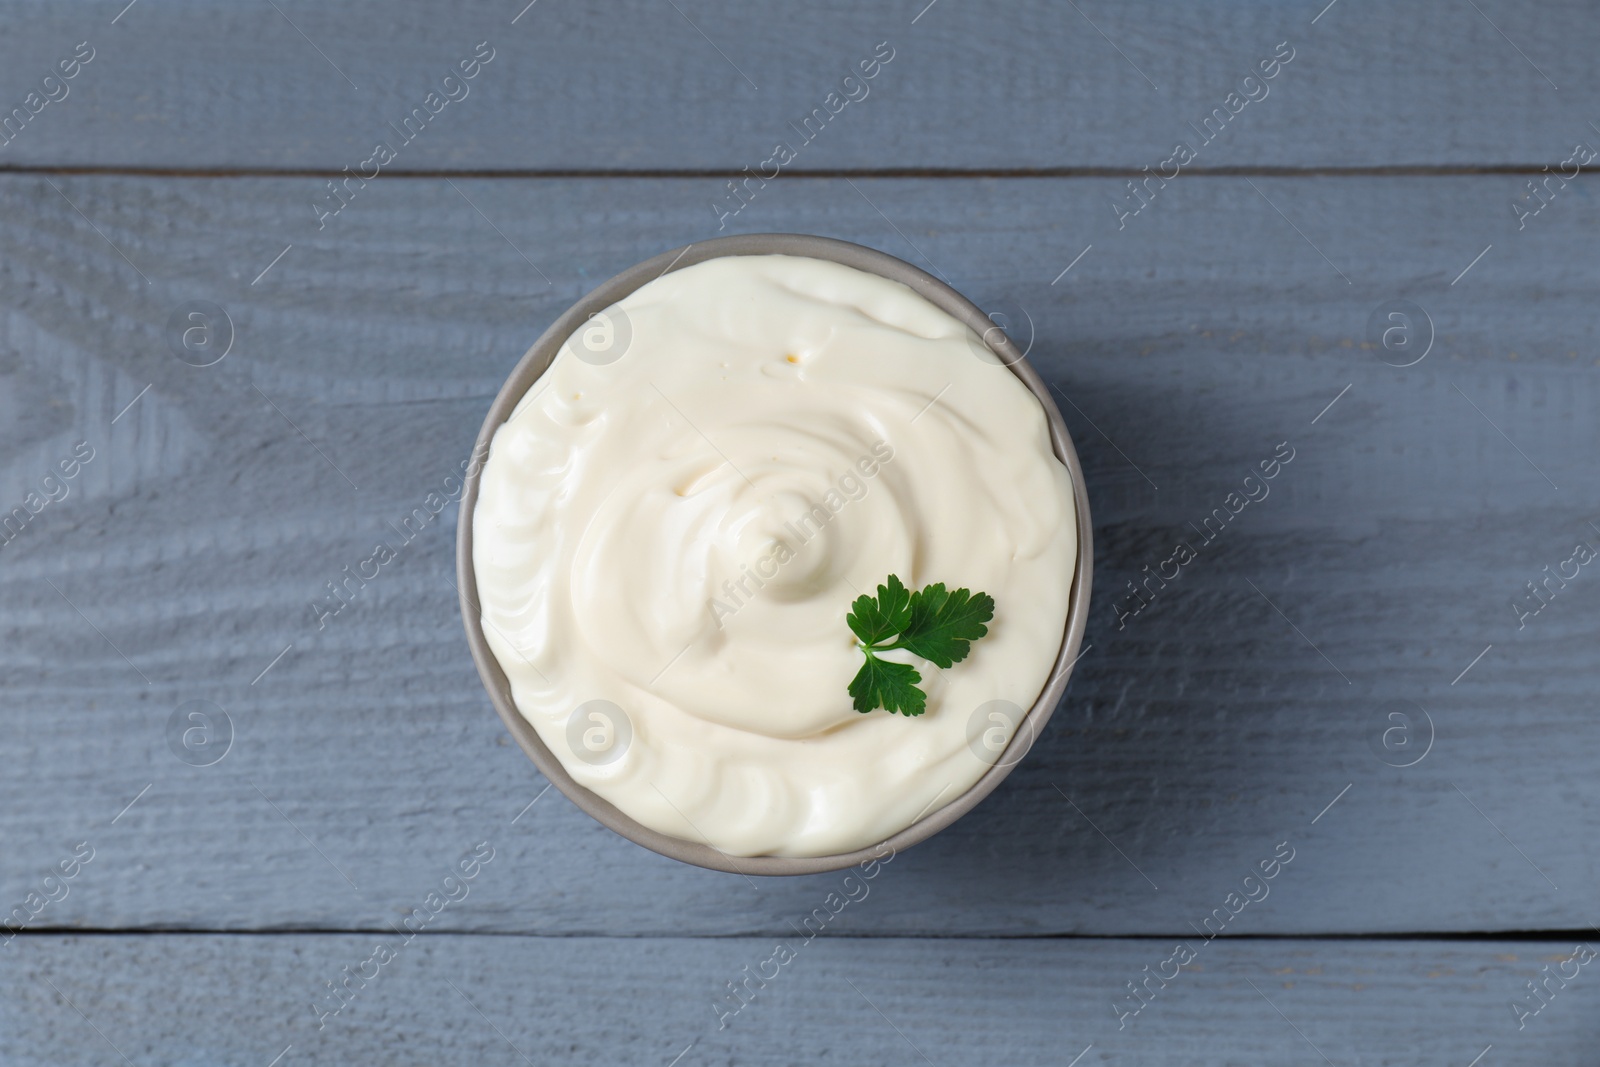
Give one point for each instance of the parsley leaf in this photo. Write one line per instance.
(944, 625)
(882, 683)
(873, 620)
(935, 623)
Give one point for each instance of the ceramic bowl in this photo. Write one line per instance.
(539, 358)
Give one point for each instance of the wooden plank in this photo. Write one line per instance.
(1221, 720)
(185, 84)
(453, 999)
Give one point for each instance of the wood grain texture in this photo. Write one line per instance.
(186, 84)
(1219, 721)
(1342, 675)
(450, 999)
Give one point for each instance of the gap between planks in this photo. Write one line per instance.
(1400, 171)
(1531, 936)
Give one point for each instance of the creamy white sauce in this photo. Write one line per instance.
(671, 528)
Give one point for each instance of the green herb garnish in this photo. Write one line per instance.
(934, 623)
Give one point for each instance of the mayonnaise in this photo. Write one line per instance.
(671, 528)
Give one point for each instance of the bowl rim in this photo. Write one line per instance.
(533, 365)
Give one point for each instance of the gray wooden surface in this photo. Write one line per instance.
(455, 999)
(636, 85)
(1247, 705)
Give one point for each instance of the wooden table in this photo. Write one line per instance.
(1354, 671)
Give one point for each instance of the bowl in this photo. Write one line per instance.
(539, 357)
